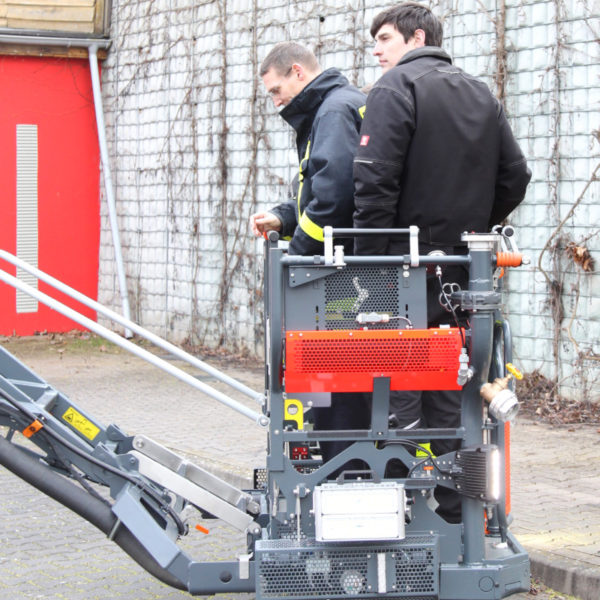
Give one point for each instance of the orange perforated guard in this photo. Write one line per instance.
(348, 360)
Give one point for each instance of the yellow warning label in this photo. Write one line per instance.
(79, 422)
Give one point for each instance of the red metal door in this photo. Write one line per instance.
(49, 184)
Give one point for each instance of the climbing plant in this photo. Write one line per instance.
(186, 194)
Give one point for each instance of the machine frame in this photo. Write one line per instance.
(312, 532)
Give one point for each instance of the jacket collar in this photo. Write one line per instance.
(434, 51)
(300, 112)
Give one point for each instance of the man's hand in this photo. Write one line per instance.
(264, 221)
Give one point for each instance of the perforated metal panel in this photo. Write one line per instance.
(329, 299)
(414, 572)
(260, 479)
(362, 289)
(287, 531)
(286, 569)
(345, 361)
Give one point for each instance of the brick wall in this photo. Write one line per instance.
(197, 148)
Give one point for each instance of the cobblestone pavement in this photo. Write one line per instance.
(48, 552)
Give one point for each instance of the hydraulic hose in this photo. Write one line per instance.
(85, 505)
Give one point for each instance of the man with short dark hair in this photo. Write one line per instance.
(435, 151)
(325, 111)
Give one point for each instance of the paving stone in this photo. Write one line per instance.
(48, 552)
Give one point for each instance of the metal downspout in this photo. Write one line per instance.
(110, 197)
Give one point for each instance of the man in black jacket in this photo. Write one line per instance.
(325, 111)
(435, 151)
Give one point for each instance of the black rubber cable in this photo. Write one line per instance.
(136, 482)
(79, 501)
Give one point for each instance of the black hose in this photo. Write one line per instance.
(79, 501)
(92, 459)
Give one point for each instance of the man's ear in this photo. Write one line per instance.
(419, 37)
(298, 72)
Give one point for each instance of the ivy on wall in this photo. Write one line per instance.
(236, 187)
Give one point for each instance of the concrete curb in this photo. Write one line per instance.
(565, 575)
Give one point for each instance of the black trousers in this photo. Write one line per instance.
(435, 409)
(431, 409)
(347, 411)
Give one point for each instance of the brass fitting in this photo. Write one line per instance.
(503, 402)
(490, 390)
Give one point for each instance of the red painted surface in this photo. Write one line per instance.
(348, 360)
(56, 95)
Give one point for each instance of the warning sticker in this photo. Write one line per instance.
(80, 423)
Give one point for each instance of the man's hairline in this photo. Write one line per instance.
(393, 24)
(283, 72)
(381, 27)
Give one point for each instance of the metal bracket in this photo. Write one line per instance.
(192, 492)
(328, 244)
(477, 300)
(244, 562)
(481, 241)
(303, 275)
(201, 477)
(335, 258)
(414, 245)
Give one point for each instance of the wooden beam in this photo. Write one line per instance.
(50, 13)
(78, 16)
(49, 51)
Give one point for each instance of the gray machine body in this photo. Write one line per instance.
(429, 559)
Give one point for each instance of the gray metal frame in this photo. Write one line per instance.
(472, 564)
(151, 486)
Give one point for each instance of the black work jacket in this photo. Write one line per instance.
(326, 118)
(436, 151)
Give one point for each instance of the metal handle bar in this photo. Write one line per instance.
(329, 233)
(358, 232)
(128, 324)
(116, 339)
(319, 261)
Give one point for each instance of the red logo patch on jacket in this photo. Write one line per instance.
(364, 140)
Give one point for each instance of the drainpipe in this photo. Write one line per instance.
(110, 197)
(30, 38)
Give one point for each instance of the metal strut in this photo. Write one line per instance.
(152, 487)
(116, 339)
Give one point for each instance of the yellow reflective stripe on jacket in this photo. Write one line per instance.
(306, 224)
(310, 228)
(301, 174)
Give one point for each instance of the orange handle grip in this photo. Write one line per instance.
(509, 259)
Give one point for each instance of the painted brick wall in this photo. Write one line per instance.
(197, 148)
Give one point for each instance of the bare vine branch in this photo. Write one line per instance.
(594, 177)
